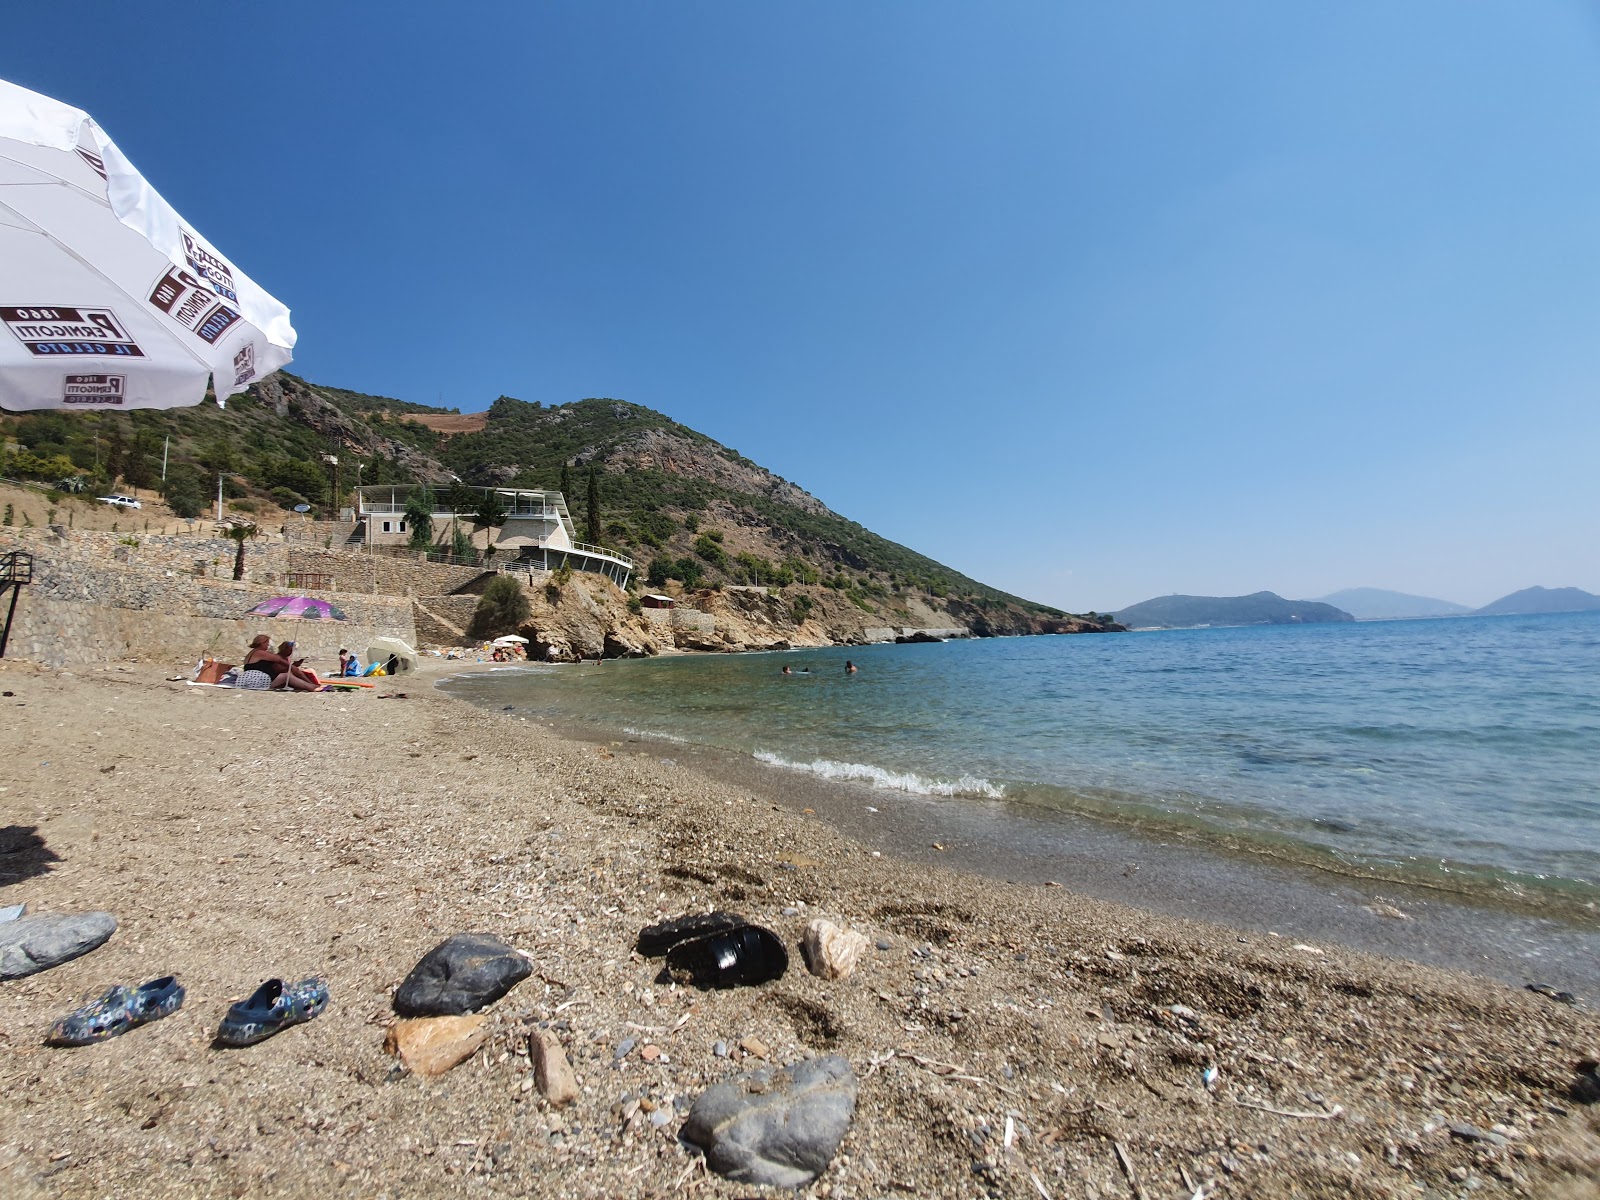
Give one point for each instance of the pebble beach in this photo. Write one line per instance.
(1009, 1040)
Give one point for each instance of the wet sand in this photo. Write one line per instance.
(242, 835)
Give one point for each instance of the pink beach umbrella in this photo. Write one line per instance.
(301, 607)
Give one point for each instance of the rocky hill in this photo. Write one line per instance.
(1258, 608)
(686, 508)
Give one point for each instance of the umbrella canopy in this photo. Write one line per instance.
(510, 639)
(109, 298)
(302, 607)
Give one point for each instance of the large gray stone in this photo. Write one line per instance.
(460, 975)
(775, 1127)
(29, 945)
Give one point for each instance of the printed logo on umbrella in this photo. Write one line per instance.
(303, 608)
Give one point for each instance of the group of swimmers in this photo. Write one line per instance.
(849, 669)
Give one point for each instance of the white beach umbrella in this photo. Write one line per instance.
(511, 639)
(109, 298)
(384, 648)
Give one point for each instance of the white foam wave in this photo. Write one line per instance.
(654, 735)
(893, 781)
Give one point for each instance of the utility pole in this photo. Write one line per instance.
(165, 446)
(219, 497)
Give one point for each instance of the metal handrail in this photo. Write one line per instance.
(585, 548)
(444, 514)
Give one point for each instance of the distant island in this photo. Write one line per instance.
(1380, 604)
(1259, 608)
(1542, 600)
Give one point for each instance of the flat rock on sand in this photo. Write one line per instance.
(29, 945)
(779, 1128)
(432, 1045)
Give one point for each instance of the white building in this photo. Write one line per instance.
(536, 533)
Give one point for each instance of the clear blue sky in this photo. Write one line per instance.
(1092, 301)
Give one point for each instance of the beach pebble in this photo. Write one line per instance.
(32, 944)
(1471, 1133)
(624, 1048)
(885, 943)
(460, 975)
(551, 1070)
(754, 1047)
(720, 1049)
(779, 1128)
(831, 952)
(1387, 910)
(432, 1045)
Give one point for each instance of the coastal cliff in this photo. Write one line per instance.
(588, 617)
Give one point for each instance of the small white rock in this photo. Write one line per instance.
(832, 952)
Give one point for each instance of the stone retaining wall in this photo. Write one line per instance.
(355, 572)
(165, 555)
(93, 600)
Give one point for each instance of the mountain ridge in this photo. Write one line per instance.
(1258, 608)
(1382, 604)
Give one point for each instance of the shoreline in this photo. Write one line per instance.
(238, 835)
(1238, 887)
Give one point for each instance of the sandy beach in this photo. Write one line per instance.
(238, 836)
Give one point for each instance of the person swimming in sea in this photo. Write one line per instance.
(786, 669)
(849, 667)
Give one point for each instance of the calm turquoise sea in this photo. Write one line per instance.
(1458, 753)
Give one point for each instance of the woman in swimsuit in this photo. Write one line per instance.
(264, 670)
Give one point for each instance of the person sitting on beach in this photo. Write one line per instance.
(349, 664)
(298, 672)
(263, 669)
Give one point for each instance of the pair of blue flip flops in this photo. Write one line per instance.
(275, 1005)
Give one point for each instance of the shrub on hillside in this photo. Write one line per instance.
(501, 609)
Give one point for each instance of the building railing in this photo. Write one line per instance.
(585, 548)
(520, 514)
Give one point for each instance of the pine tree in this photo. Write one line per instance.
(419, 515)
(593, 534)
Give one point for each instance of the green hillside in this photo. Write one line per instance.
(679, 502)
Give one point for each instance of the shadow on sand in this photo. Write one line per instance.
(23, 854)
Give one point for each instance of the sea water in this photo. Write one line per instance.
(1459, 754)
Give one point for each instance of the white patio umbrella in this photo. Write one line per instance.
(108, 297)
